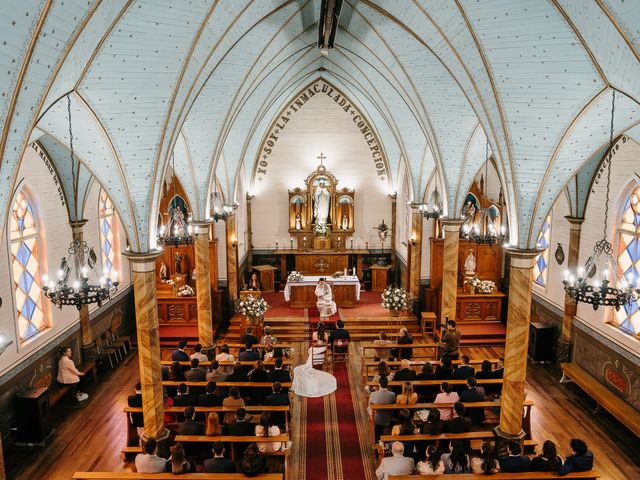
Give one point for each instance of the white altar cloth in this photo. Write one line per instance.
(314, 279)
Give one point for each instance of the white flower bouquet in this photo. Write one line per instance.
(251, 306)
(395, 298)
(321, 229)
(481, 286)
(186, 291)
(295, 277)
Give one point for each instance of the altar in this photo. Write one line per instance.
(346, 291)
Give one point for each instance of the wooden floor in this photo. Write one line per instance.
(91, 437)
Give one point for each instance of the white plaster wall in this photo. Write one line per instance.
(220, 234)
(320, 126)
(241, 218)
(403, 213)
(54, 241)
(626, 161)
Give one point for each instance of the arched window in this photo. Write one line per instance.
(541, 267)
(628, 317)
(25, 268)
(107, 234)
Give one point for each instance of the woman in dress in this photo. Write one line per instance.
(408, 396)
(487, 462)
(457, 461)
(266, 428)
(309, 382)
(320, 333)
(431, 465)
(446, 396)
(68, 374)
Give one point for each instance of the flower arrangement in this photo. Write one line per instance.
(186, 291)
(482, 286)
(251, 306)
(395, 298)
(169, 282)
(295, 277)
(321, 229)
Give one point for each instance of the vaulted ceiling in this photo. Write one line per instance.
(206, 78)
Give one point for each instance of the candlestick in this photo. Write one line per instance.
(276, 245)
(345, 272)
(367, 244)
(291, 241)
(354, 271)
(351, 243)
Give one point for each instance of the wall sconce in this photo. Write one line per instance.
(413, 238)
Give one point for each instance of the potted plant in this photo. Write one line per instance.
(395, 299)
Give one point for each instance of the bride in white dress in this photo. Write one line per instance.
(309, 382)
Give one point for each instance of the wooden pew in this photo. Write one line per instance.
(590, 475)
(425, 437)
(526, 419)
(237, 439)
(434, 383)
(171, 383)
(432, 347)
(237, 346)
(170, 476)
(625, 413)
(59, 389)
(268, 363)
(369, 367)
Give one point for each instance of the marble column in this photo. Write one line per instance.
(415, 252)
(203, 283)
(451, 227)
(232, 257)
(515, 357)
(143, 266)
(570, 307)
(85, 323)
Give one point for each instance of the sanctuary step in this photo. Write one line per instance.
(480, 333)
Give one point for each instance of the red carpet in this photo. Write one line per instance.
(280, 308)
(316, 448)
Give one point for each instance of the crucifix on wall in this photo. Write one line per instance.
(321, 157)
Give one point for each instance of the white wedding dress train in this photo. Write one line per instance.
(309, 382)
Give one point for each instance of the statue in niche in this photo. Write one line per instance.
(178, 263)
(298, 222)
(321, 203)
(345, 223)
(163, 272)
(470, 264)
(469, 216)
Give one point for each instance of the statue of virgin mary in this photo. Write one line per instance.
(321, 203)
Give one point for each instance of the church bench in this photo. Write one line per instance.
(526, 418)
(237, 346)
(369, 367)
(434, 383)
(170, 476)
(59, 390)
(510, 476)
(621, 410)
(269, 385)
(430, 346)
(425, 437)
(268, 363)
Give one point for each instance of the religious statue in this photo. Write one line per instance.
(469, 216)
(345, 223)
(298, 222)
(321, 202)
(470, 264)
(193, 274)
(326, 305)
(163, 272)
(178, 263)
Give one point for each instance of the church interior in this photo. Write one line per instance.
(398, 237)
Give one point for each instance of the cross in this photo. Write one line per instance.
(321, 157)
(321, 265)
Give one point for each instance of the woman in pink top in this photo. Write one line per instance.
(446, 396)
(68, 374)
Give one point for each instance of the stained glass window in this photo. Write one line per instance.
(541, 267)
(107, 234)
(25, 265)
(628, 317)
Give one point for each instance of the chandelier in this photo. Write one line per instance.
(584, 285)
(220, 211)
(433, 209)
(82, 260)
(472, 232)
(177, 231)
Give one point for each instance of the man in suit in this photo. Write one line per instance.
(149, 462)
(190, 426)
(248, 355)
(406, 373)
(197, 353)
(136, 401)
(195, 374)
(397, 464)
(249, 337)
(459, 423)
(210, 398)
(340, 333)
(241, 427)
(474, 393)
(277, 398)
(580, 460)
(219, 464)
(184, 398)
(404, 338)
(464, 370)
(382, 418)
(216, 374)
(180, 355)
(278, 374)
(515, 462)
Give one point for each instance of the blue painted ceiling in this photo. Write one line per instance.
(206, 78)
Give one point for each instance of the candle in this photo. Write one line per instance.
(345, 272)
(304, 238)
(354, 271)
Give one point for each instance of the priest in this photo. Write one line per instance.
(326, 305)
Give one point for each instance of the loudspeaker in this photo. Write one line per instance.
(33, 416)
(541, 342)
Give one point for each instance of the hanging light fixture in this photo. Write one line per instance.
(177, 231)
(220, 211)
(77, 290)
(583, 285)
(433, 209)
(473, 233)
